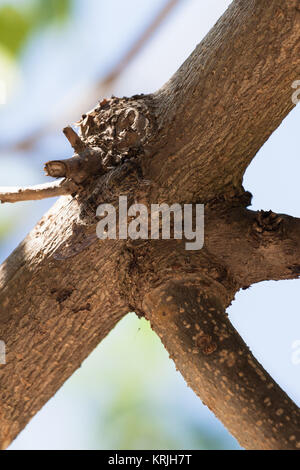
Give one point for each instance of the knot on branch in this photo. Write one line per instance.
(120, 126)
(267, 222)
(115, 131)
(205, 343)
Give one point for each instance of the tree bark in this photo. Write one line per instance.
(226, 100)
(62, 290)
(55, 308)
(219, 367)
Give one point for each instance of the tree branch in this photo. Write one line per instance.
(40, 191)
(76, 142)
(58, 299)
(220, 368)
(225, 101)
(254, 246)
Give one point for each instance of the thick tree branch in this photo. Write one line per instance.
(254, 246)
(58, 299)
(225, 101)
(220, 368)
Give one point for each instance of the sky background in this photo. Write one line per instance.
(127, 394)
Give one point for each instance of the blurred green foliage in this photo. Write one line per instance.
(19, 22)
(6, 225)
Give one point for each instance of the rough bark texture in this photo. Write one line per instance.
(40, 191)
(62, 290)
(54, 312)
(225, 101)
(191, 322)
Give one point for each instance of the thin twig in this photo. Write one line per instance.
(40, 191)
(77, 144)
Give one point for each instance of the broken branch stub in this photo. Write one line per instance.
(77, 168)
(116, 130)
(77, 144)
(86, 161)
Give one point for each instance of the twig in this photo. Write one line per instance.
(40, 191)
(77, 144)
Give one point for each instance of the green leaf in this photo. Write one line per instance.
(6, 226)
(18, 23)
(14, 29)
(50, 11)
